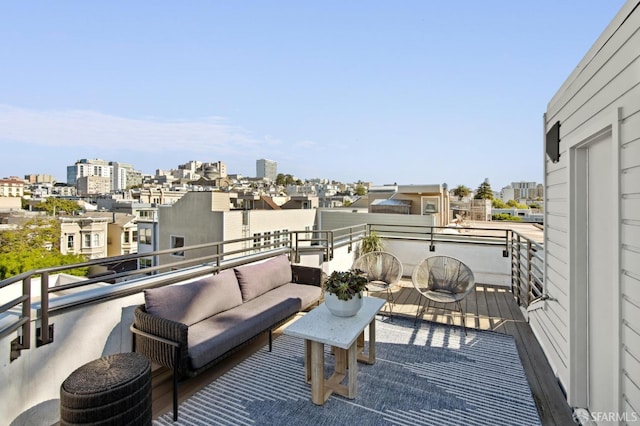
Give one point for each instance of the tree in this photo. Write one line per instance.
(516, 205)
(506, 216)
(55, 206)
(461, 191)
(34, 245)
(497, 203)
(360, 189)
(484, 191)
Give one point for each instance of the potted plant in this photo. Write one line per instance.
(343, 292)
(369, 243)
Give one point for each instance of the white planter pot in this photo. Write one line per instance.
(342, 308)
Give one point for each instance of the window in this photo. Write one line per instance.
(177, 242)
(429, 205)
(87, 241)
(145, 236)
(70, 242)
(145, 262)
(134, 236)
(96, 240)
(127, 236)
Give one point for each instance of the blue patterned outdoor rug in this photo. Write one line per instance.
(431, 374)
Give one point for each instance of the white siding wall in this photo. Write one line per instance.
(603, 91)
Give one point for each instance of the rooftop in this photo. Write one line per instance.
(106, 309)
(488, 308)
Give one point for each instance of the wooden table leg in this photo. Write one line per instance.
(353, 371)
(372, 342)
(340, 361)
(370, 356)
(317, 373)
(307, 360)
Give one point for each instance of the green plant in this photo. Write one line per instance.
(346, 284)
(506, 216)
(369, 243)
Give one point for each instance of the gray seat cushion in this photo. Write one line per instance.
(308, 294)
(212, 337)
(192, 302)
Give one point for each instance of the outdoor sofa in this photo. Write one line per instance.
(189, 327)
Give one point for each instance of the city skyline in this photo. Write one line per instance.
(511, 184)
(423, 93)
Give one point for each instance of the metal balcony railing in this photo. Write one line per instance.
(17, 314)
(527, 269)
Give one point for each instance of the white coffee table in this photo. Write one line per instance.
(320, 327)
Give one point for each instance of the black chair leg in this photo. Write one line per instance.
(270, 340)
(464, 326)
(175, 383)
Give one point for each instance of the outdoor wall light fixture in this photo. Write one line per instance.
(553, 143)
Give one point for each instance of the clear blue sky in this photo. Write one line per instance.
(413, 92)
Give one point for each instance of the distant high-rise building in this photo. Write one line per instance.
(525, 190)
(119, 175)
(93, 185)
(267, 169)
(39, 178)
(86, 168)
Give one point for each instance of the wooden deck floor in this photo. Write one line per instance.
(488, 308)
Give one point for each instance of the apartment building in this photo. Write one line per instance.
(122, 232)
(211, 219)
(39, 178)
(267, 169)
(424, 200)
(93, 185)
(84, 235)
(148, 235)
(11, 187)
(527, 190)
(159, 195)
(119, 176)
(85, 168)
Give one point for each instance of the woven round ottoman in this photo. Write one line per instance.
(112, 390)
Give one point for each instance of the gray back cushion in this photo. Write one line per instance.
(261, 277)
(195, 301)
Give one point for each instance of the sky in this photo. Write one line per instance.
(407, 92)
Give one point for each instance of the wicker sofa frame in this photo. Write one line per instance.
(165, 341)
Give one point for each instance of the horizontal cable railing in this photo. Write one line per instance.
(527, 269)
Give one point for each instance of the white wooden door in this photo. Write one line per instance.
(603, 341)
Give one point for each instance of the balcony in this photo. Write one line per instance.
(73, 321)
